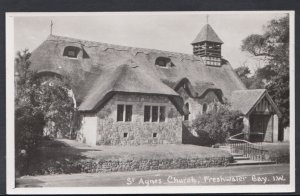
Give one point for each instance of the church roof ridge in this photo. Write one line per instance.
(93, 44)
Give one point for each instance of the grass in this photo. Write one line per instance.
(276, 147)
(68, 156)
(279, 152)
(157, 152)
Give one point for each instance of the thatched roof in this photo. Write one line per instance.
(207, 34)
(199, 89)
(127, 78)
(246, 100)
(97, 60)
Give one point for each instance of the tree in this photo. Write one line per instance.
(258, 80)
(244, 74)
(57, 105)
(218, 124)
(273, 47)
(41, 103)
(29, 119)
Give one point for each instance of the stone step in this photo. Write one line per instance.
(237, 155)
(240, 158)
(250, 162)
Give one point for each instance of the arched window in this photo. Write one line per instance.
(164, 62)
(71, 51)
(204, 108)
(186, 117)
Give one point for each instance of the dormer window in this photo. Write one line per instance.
(71, 51)
(164, 62)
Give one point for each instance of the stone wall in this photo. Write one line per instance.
(94, 166)
(196, 104)
(111, 132)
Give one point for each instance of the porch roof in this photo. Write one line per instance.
(246, 100)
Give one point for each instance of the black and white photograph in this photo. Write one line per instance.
(150, 102)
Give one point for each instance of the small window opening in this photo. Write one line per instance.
(186, 117)
(128, 113)
(125, 134)
(164, 62)
(154, 135)
(147, 114)
(71, 51)
(204, 108)
(154, 113)
(120, 111)
(162, 114)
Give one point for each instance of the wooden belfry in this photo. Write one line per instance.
(208, 45)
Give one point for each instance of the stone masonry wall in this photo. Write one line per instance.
(94, 166)
(196, 104)
(111, 132)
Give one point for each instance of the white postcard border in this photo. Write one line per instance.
(10, 171)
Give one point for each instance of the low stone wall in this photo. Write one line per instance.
(102, 166)
(142, 165)
(67, 166)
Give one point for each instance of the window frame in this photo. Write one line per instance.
(125, 105)
(75, 49)
(158, 105)
(167, 62)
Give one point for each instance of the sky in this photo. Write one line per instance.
(170, 31)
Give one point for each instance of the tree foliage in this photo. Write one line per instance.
(218, 124)
(244, 74)
(273, 47)
(57, 106)
(29, 119)
(39, 102)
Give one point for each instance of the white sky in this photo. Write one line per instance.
(172, 31)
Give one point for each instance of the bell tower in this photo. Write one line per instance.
(207, 45)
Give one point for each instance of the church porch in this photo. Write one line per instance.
(261, 120)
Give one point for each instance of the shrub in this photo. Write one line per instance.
(218, 124)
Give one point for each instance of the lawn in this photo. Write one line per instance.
(69, 156)
(158, 152)
(279, 152)
(279, 147)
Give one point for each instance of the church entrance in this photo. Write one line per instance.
(261, 128)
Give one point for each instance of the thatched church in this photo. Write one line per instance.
(129, 96)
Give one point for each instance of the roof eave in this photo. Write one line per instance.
(197, 42)
(270, 100)
(109, 95)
